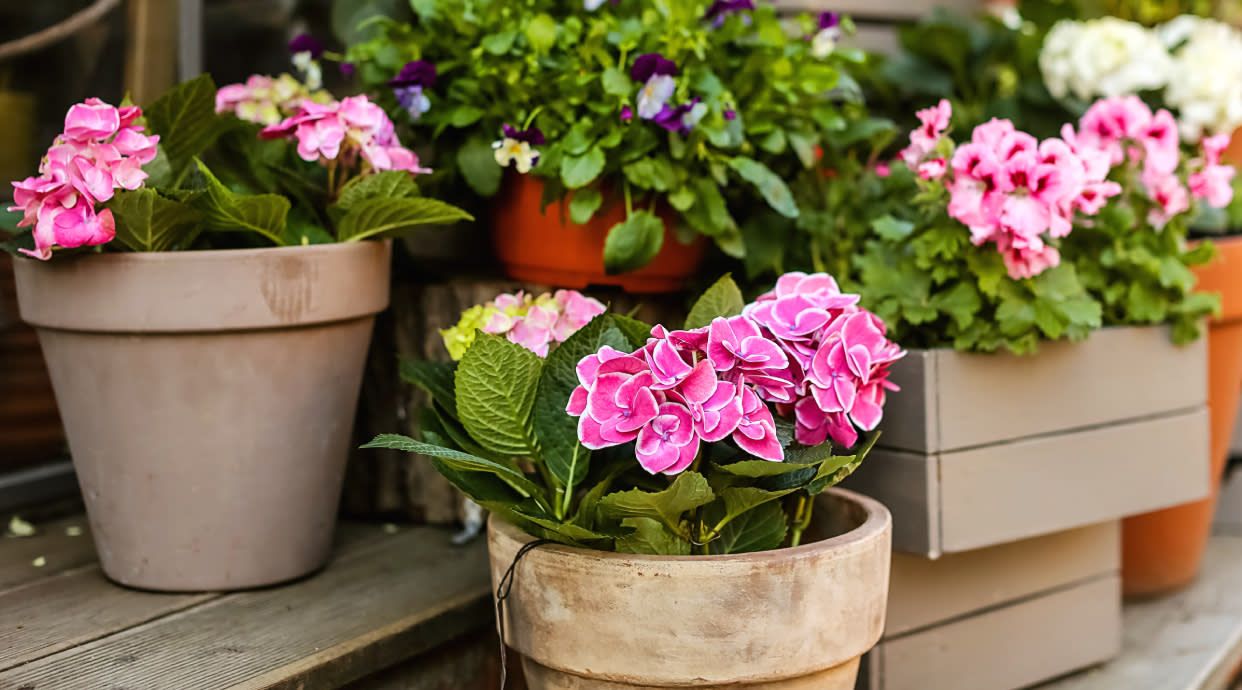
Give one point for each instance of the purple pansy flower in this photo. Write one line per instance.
(730, 114)
(305, 43)
(721, 9)
(829, 20)
(650, 65)
(415, 73)
(680, 118)
(346, 69)
(532, 136)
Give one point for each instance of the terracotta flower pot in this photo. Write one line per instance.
(541, 245)
(208, 398)
(1162, 551)
(790, 619)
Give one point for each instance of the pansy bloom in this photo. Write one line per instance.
(517, 146)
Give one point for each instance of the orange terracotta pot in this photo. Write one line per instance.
(1162, 551)
(1233, 154)
(541, 245)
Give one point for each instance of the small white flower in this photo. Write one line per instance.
(309, 67)
(1206, 83)
(592, 5)
(825, 42)
(520, 153)
(654, 94)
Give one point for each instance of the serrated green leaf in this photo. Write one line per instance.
(755, 469)
(687, 492)
(770, 185)
(388, 217)
(495, 388)
(723, 298)
(462, 462)
(147, 222)
(635, 331)
(961, 302)
(436, 378)
(835, 470)
(580, 171)
(651, 537)
(761, 529)
(224, 211)
(633, 242)
(185, 119)
(390, 184)
(583, 204)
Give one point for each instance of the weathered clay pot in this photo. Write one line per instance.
(790, 619)
(208, 399)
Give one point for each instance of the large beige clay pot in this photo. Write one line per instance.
(790, 619)
(208, 398)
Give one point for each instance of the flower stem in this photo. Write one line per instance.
(530, 119)
(802, 519)
(629, 201)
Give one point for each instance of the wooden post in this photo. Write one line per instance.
(151, 49)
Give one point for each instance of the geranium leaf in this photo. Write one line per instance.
(723, 298)
(386, 217)
(225, 211)
(633, 242)
(495, 388)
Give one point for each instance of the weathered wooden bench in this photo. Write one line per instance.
(397, 608)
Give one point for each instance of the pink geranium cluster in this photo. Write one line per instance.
(535, 326)
(1124, 131)
(805, 348)
(101, 150)
(344, 131)
(1011, 189)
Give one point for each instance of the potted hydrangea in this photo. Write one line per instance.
(622, 125)
(669, 489)
(205, 298)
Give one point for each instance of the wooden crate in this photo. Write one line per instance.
(978, 450)
(1045, 606)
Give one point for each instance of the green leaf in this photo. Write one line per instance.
(460, 461)
(541, 32)
(755, 469)
(583, 204)
(740, 499)
(836, 469)
(761, 529)
(580, 171)
(651, 172)
(769, 184)
(961, 302)
(892, 229)
(651, 537)
(633, 242)
(569, 532)
(499, 43)
(436, 378)
(556, 430)
(387, 217)
(634, 330)
(616, 82)
(395, 184)
(477, 162)
(723, 298)
(147, 222)
(185, 119)
(464, 116)
(224, 211)
(495, 388)
(687, 492)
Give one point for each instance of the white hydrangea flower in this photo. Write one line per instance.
(1103, 58)
(1206, 83)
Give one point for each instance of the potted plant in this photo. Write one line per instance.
(622, 125)
(204, 299)
(677, 473)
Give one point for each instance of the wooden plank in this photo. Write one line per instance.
(59, 551)
(955, 400)
(909, 485)
(1009, 647)
(1191, 640)
(394, 598)
(924, 592)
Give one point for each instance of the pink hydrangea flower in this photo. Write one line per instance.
(535, 323)
(805, 349)
(346, 131)
(100, 150)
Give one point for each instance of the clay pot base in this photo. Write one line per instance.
(539, 677)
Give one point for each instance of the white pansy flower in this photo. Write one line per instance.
(654, 94)
(824, 42)
(520, 153)
(592, 5)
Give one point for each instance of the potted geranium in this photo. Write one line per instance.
(677, 474)
(205, 299)
(622, 125)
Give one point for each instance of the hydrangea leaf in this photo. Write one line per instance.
(688, 491)
(651, 537)
(147, 222)
(761, 529)
(225, 211)
(723, 298)
(383, 217)
(495, 389)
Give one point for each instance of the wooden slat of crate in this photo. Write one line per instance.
(385, 598)
(1008, 647)
(952, 400)
(969, 499)
(923, 592)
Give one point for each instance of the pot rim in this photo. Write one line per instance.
(238, 253)
(877, 521)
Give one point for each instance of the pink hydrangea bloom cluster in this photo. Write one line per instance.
(1011, 189)
(548, 319)
(1124, 131)
(344, 131)
(805, 349)
(266, 100)
(101, 150)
